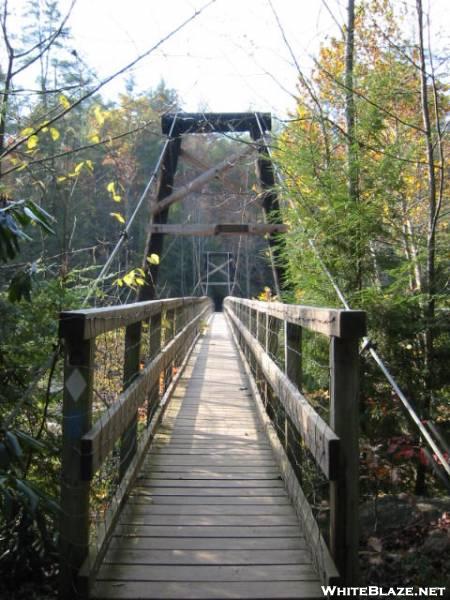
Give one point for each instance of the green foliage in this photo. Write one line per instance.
(30, 429)
(14, 216)
(375, 245)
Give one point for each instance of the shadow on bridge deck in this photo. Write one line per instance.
(209, 516)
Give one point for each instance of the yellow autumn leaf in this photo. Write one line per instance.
(118, 282)
(32, 142)
(118, 216)
(78, 167)
(94, 138)
(129, 278)
(153, 259)
(27, 131)
(139, 281)
(117, 197)
(54, 133)
(90, 165)
(111, 187)
(99, 115)
(61, 178)
(63, 100)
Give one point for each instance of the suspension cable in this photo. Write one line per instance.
(126, 230)
(367, 343)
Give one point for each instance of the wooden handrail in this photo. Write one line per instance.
(87, 445)
(329, 321)
(334, 446)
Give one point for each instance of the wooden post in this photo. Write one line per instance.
(155, 348)
(344, 492)
(271, 206)
(169, 335)
(132, 359)
(155, 241)
(293, 369)
(293, 353)
(77, 420)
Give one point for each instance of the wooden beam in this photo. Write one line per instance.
(271, 206)
(197, 183)
(193, 160)
(88, 323)
(344, 492)
(154, 243)
(329, 321)
(209, 229)
(215, 123)
(322, 442)
(77, 419)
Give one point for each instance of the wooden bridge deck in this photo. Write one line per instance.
(209, 516)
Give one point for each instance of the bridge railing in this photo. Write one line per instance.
(290, 417)
(143, 347)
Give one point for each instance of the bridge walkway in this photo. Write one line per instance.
(209, 516)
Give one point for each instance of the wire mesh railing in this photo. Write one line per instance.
(317, 445)
(121, 364)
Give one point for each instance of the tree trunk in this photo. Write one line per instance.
(352, 148)
(430, 280)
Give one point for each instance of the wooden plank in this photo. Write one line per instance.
(189, 461)
(211, 491)
(128, 518)
(237, 453)
(144, 496)
(212, 229)
(210, 445)
(217, 471)
(317, 435)
(208, 590)
(329, 321)
(212, 557)
(212, 531)
(229, 573)
(234, 484)
(206, 543)
(210, 475)
(207, 509)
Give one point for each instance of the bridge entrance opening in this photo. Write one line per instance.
(219, 276)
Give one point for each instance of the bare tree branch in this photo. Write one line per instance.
(107, 80)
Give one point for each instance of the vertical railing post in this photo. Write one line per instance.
(131, 365)
(154, 349)
(293, 353)
(77, 419)
(344, 492)
(293, 369)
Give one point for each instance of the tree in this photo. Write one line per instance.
(356, 186)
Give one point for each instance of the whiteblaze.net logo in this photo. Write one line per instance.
(380, 592)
